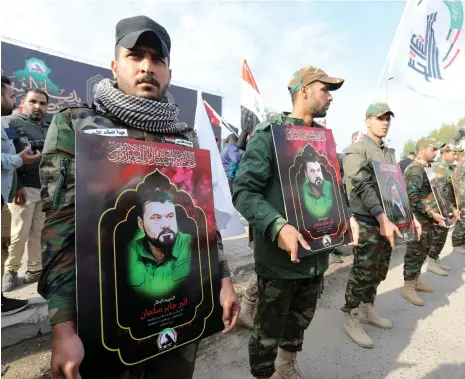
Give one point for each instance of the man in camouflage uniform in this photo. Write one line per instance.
(444, 170)
(288, 289)
(373, 253)
(425, 209)
(250, 299)
(458, 236)
(137, 104)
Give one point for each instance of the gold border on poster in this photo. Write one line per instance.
(338, 200)
(100, 277)
(431, 169)
(345, 220)
(409, 208)
(116, 281)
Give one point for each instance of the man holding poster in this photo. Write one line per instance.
(426, 210)
(135, 105)
(444, 171)
(373, 253)
(288, 288)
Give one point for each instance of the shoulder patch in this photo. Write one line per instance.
(178, 141)
(262, 126)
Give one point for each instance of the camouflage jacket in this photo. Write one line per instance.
(57, 173)
(459, 178)
(257, 195)
(444, 171)
(419, 191)
(362, 187)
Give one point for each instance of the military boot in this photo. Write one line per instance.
(409, 293)
(422, 287)
(434, 267)
(286, 366)
(443, 266)
(367, 315)
(355, 330)
(246, 316)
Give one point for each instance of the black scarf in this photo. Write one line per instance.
(149, 115)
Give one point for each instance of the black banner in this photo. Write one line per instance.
(70, 83)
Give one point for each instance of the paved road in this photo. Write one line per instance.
(426, 342)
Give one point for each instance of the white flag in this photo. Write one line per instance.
(252, 105)
(225, 213)
(428, 51)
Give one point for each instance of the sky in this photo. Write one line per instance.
(210, 39)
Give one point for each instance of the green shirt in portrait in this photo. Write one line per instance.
(318, 207)
(152, 278)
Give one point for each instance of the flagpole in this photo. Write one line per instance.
(393, 46)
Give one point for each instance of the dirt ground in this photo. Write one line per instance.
(31, 359)
(426, 342)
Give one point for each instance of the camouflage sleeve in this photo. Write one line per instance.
(459, 176)
(414, 180)
(223, 263)
(57, 168)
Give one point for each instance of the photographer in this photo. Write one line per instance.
(27, 218)
(10, 162)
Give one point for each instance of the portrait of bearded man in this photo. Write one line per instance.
(317, 195)
(161, 260)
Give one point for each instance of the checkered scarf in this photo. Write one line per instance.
(148, 115)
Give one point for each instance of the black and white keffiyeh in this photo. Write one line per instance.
(148, 115)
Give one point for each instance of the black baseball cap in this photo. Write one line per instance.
(129, 30)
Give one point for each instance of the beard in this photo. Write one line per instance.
(165, 241)
(318, 184)
(36, 116)
(7, 112)
(320, 113)
(157, 94)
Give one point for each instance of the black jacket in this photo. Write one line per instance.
(28, 175)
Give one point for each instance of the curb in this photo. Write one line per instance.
(30, 323)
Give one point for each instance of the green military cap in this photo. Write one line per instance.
(378, 109)
(308, 75)
(430, 142)
(451, 147)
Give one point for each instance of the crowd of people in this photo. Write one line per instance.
(23, 135)
(280, 301)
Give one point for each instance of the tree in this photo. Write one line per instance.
(409, 147)
(443, 134)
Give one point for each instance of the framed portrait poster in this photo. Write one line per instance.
(146, 250)
(312, 186)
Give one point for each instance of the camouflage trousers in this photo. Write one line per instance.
(458, 235)
(285, 310)
(433, 238)
(371, 264)
(438, 241)
(178, 364)
(251, 292)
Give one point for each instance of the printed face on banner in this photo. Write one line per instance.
(146, 209)
(317, 199)
(438, 194)
(395, 199)
(160, 254)
(312, 186)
